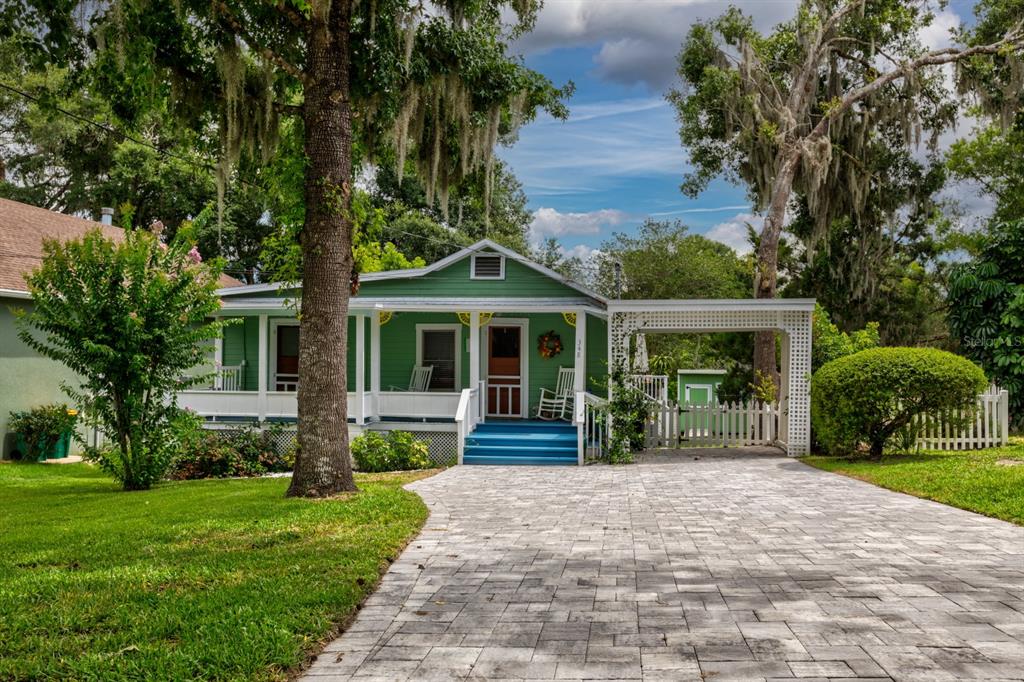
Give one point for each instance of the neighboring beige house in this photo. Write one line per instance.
(26, 379)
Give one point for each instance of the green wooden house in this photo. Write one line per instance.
(491, 357)
(485, 320)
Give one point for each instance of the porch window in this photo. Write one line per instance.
(438, 349)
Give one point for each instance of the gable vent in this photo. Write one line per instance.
(488, 267)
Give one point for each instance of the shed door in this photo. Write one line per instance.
(698, 394)
(504, 372)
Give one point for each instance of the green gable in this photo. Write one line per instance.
(454, 281)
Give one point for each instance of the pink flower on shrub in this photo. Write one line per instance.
(195, 255)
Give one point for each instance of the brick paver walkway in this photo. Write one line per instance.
(717, 568)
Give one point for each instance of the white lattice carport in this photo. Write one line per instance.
(791, 317)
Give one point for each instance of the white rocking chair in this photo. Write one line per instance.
(558, 404)
(419, 382)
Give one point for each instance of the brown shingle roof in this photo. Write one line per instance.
(23, 229)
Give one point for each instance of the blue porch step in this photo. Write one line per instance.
(522, 442)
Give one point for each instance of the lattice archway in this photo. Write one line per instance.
(791, 317)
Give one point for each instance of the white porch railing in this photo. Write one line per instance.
(590, 414)
(990, 428)
(699, 425)
(655, 386)
(229, 377)
(428, 405)
(468, 414)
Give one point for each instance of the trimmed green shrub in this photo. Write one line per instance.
(227, 453)
(398, 451)
(41, 428)
(868, 397)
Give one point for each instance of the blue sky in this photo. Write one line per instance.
(618, 159)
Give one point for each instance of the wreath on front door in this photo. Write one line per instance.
(549, 344)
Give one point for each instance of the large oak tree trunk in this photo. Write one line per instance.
(322, 466)
(766, 273)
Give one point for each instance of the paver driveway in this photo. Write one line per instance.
(718, 568)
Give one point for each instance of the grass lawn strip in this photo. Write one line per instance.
(219, 579)
(989, 482)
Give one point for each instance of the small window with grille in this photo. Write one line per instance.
(488, 266)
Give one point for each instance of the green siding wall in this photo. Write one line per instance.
(242, 342)
(27, 379)
(398, 347)
(520, 282)
(597, 356)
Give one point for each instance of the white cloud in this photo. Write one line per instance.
(582, 251)
(733, 232)
(548, 222)
(938, 34)
(637, 40)
(702, 209)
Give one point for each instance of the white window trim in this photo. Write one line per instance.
(276, 322)
(472, 265)
(457, 328)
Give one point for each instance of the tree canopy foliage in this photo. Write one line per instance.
(813, 108)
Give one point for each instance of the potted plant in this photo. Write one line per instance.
(43, 432)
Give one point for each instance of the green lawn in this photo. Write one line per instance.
(983, 481)
(198, 579)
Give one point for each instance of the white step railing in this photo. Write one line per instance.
(468, 414)
(990, 427)
(701, 425)
(655, 386)
(590, 415)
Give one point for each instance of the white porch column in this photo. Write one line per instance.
(580, 380)
(580, 365)
(783, 397)
(474, 349)
(263, 365)
(360, 414)
(797, 367)
(218, 359)
(375, 364)
(474, 362)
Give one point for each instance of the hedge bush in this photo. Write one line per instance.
(398, 451)
(228, 453)
(870, 396)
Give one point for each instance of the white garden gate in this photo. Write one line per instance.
(708, 425)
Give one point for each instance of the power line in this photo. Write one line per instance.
(112, 130)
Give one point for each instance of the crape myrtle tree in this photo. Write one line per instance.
(791, 111)
(428, 83)
(131, 317)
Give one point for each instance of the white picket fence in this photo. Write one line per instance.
(990, 427)
(701, 425)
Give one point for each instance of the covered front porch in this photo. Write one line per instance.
(483, 354)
